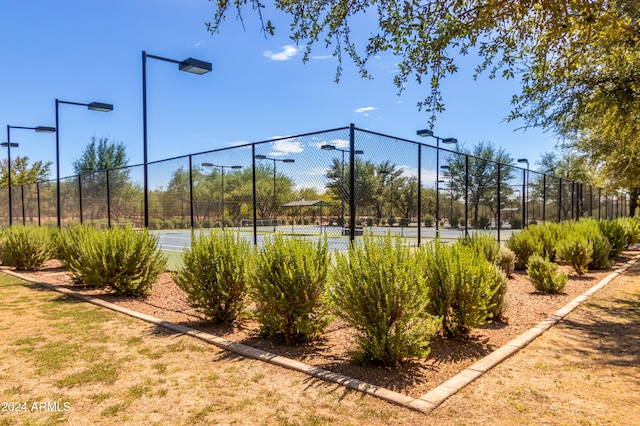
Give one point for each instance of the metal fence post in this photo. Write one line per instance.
(498, 216)
(419, 191)
(352, 184)
(544, 197)
(38, 195)
(466, 195)
(191, 190)
(255, 203)
(24, 219)
(108, 201)
(599, 203)
(80, 195)
(524, 198)
(559, 199)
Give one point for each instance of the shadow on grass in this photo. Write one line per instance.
(609, 326)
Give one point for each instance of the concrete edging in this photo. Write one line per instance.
(426, 403)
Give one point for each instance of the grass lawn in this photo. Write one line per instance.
(63, 361)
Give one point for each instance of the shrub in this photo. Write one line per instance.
(26, 247)
(516, 221)
(70, 241)
(484, 222)
(404, 221)
(524, 244)
(576, 251)
(377, 291)
(548, 235)
(391, 221)
(616, 235)
(461, 285)
(544, 275)
(507, 261)
(631, 229)
(601, 256)
(483, 244)
(454, 222)
(214, 274)
(121, 259)
(428, 221)
(499, 299)
(288, 285)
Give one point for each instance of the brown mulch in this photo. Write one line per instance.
(525, 308)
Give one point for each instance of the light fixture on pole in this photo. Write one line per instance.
(92, 106)
(190, 65)
(525, 176)
(284, 160)
(429, 133)
(9, 145)
(222, 173)
(328, 147)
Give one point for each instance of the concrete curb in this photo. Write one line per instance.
(437, 396)
(426, 403)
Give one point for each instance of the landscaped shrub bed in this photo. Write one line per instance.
(396, 299)
(333, 349)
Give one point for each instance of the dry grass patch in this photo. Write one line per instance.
(141, 374)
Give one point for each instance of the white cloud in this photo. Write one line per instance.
(286, 146)
(365, 109)
(323, 57)
(288, 52)
(320, 187)
(317, 171)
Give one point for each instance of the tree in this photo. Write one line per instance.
(543, 41)
(565, 164)
(99, 156)
(482, 176)
(22, 173)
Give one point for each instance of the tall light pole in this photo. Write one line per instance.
(525, 173)
(222, 173)
(284, 160)
(429, 133)
(92, 106)
(328, 147)
(194, 66)
(9, 145)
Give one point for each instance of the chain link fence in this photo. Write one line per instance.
(337, 183)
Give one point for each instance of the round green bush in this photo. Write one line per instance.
(377, 291)
(214, 274)
(288, 283)
(576, 251)
(544, 275)
(26, 247)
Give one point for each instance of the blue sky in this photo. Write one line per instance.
(84, 51)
